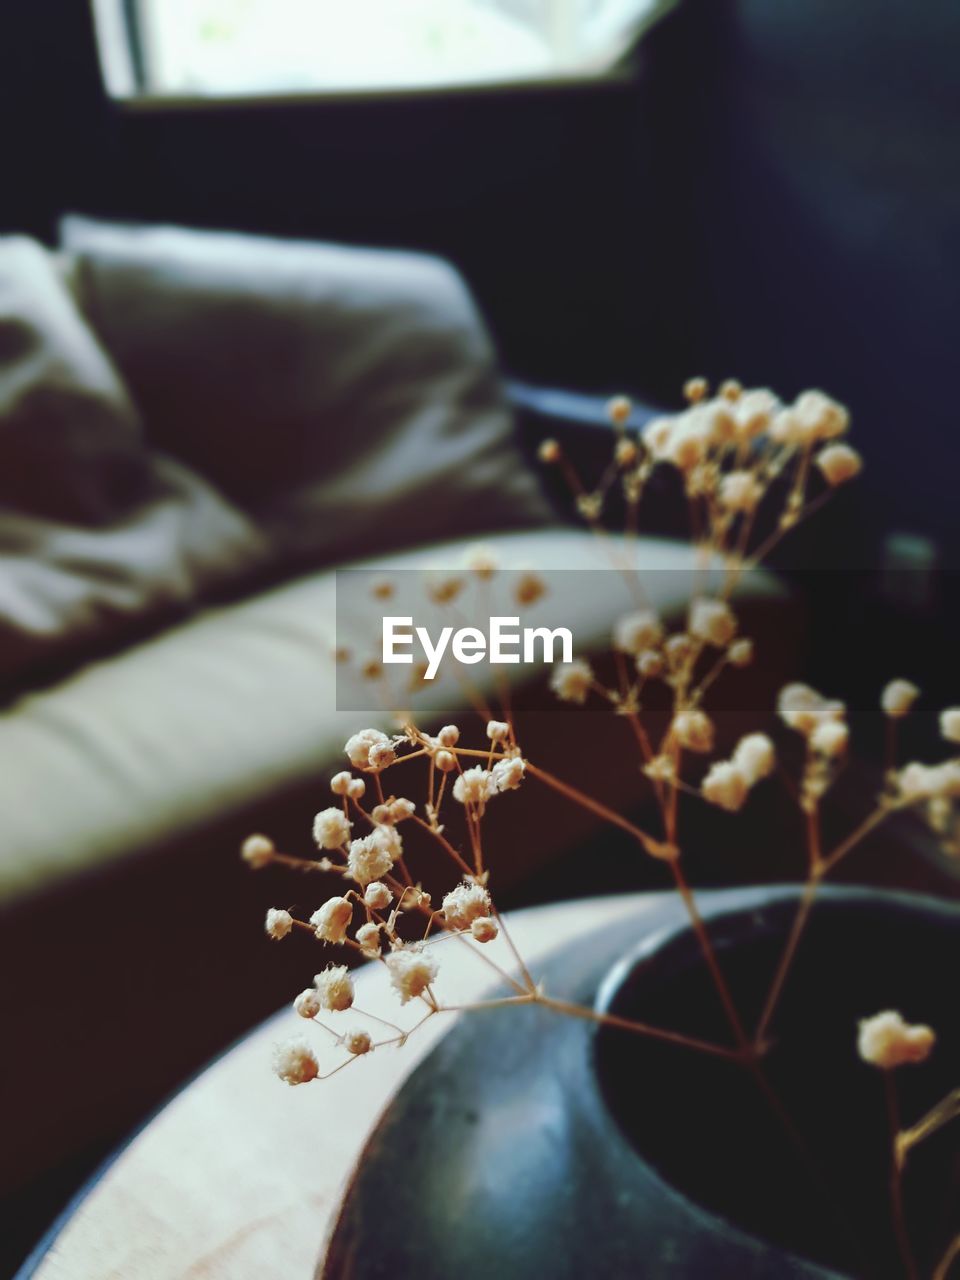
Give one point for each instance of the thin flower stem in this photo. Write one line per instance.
(710, 956)
(639, 1028)
(444, 844)
(948, 1259)
(528, 997)
(365, 1013)
(655, 847)
(864, 829)
(946, 1110)
(896, 1182)
(513, 950)
(786, 960)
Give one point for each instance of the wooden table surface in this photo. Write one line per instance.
(240, 1177)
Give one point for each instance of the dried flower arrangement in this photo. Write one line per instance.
(735, 452)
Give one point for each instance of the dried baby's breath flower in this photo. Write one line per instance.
(445, 761)
(802, 708)
(626, 453)
(929, 781)
(887, 1041)
(331, 829)
(483, 929)
(649, 664)
(589, 505)
(401, 809)
(695, 389)
(950, 724)
(411, 972)
(830, 738)
(754, 412)
(356, 789)
(820, 417)
(619, 410)
(637, 631)
(839, 463)
(340, 783)
(572, 681)
(295, 1062)
(688, 441)
(368, 938)
(726, 785)
(443, 588)
(464, 904)
(330, 921)
(660, 769)
(898, 698)
(474, 786)
(731, 389)
(278, 923)
(372, 857)
(508, 774)
(482, 561)
(529, 588)
(548, 451)
(359, 746)
(740, 491)
(335, 988)
(357, 1042)
(755, 757)
(307, 1003)
(381, 756)
(712, 621)
(498, 730)
(740, 653)
(678, 648)
(448, 736)
(657, 435)
(257, 851)
(693, 729)
(377, 896)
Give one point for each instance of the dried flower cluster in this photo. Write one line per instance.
(734, 452)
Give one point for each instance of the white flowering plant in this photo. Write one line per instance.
(736, 452)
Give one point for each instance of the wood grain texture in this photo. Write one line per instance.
(240, 1176)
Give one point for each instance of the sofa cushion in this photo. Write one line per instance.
(98, 535)
(347, 398)
(219, 715)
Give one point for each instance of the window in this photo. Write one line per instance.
(242, 48)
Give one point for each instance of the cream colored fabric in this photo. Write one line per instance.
(216, 714)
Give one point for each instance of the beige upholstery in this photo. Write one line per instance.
(218, 714)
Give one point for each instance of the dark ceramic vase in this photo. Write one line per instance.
(529, 1144)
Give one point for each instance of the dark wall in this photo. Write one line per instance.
(773, 192)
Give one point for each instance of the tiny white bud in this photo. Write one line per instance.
(484, 929)
(331, 829)
(278, 923)
(377, 896)
(357, 1042)
(340, 783)
(335, 988)
(295, 1063)
(898, 698)
(886, 1041)
(950, 724)
(498, 730)
(307, 1003)
(257, 851)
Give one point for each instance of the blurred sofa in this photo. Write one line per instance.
(197, 430)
